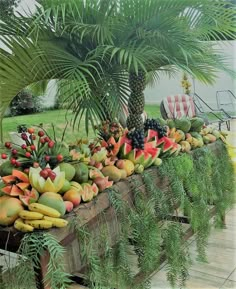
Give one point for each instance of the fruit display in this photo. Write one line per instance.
(42, 181)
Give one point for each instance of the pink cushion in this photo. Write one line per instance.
(179, 105)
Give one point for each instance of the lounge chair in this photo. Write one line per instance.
(179, 105)
(226, 100)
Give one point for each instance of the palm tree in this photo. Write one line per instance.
(93, 47)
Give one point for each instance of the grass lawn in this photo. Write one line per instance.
(57, 118)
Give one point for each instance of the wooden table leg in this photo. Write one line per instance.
(40, 274)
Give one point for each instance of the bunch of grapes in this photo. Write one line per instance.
(155, 125)
(137, 137)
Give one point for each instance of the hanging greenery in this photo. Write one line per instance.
(146, 223)
(25, 275)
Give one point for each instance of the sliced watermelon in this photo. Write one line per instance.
(154, 152)
(136, 156)
(151, 134)
(147, 160)
(151, 144)
(124, 139)
(125, 150)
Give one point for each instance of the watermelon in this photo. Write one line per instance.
(154, 152)
(183, 124)
(136, 156)
(196, 124)
(151, 135)
(165, 144)
(147, 159)
(149, 145)
(125, 150)
(124, 139)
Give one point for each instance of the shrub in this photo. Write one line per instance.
(25, 103)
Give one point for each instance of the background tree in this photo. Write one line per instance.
(99, 50)
(7, 8)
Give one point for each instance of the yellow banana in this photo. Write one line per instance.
(21, 226)
(39, 224)
(45, 210)
(27, 215)
(56, 222)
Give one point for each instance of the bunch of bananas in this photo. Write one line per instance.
(39, 217)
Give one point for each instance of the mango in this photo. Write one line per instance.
(53, 200)
(112, 172)
(9, 210)
(73, 196)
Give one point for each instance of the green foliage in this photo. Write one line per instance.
(25, 103)
(32, 247)
(146, 222)
(90, 54)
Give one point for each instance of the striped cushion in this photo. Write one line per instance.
(179, 105)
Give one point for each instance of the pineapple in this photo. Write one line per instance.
(136, 100)
(134, 121)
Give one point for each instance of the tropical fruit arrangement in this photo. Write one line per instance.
(43, 179)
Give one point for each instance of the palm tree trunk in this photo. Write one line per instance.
(136, 101)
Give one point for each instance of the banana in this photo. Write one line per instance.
(45, 210)
(27, 215)
(56, 222)
(39, 224)
(21, 226)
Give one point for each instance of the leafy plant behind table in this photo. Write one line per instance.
(196, 181)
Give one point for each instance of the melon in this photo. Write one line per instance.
(125, 149)
(183, 124)
(196, 124)
(53, 200)
(165, 144)
(112, 172)
(81, 173)
(68, 169)
(136, 156)
(147, 159)
(152, 134)
(9, 210)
